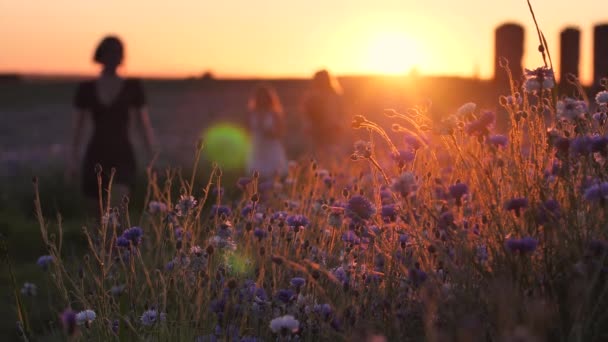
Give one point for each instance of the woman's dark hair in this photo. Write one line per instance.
(109, 51)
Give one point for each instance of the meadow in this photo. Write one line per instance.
(480, 217)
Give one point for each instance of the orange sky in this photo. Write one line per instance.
(278, 37)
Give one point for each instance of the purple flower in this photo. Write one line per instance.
(297, 282)
(68, 321)
(297, 221)
(389, 214)
(44, 261)
(246, 210)
(596, 192)
(122, 241)
(279, 216)
(498, 140)
(481, 125)
(416, 276)
(523, 246)
(597, 248)
(285, 295)
(403, 157)
(516, 205)
(360, 208)
(132, 235)
(220, 210)
(350, 237)
(414, 142)
(260, 233)
(547, 211)
(458, 190)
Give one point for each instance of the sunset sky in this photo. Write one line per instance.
(236, 38)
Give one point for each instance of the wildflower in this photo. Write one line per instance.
(547, 211)
(69, 321)
(416, 276)
(498, 140)
(516, 204)
(246, 210)
(85, 317)
(285, 296)
(570, 109)
(297, 282)
(157, 207)
(388, 213)
(278, 216)
(285, 324)
(196, 250)
(523, 246)
(335, 218)
(359, 207)
(458, 190)
(602, 99)
(403, 157)
(151, 317)
(466, 109)
(131, 236)
(220, 210)
(298, 221)
(114, 326)
(185, 204)
(350, 237)
(260, 233)
(117, 290)
(596, 192)
(363, 149)
(44, 261)
(597, 248)
(539, 78)
(405, 184)
(217, 192)
(324, 310)
(482, 253)
(415, 142)
(29, 289)
(481, 125)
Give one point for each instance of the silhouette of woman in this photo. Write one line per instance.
(324, 113)
(111, 103)
(266, 126)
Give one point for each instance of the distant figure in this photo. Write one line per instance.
(111, 103)
(324, 113)
(267, 127)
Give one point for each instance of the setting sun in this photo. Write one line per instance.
(391, 54)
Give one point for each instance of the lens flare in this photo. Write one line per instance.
(226, 144)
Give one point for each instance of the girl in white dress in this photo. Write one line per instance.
(266, 126)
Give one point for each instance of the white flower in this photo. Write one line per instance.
(602, 98)
(284, 323)
(150, 317)
(85, 317)
(466, 109)
(538, 77)
(570, 109)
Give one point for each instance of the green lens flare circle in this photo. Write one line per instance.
(226, 144)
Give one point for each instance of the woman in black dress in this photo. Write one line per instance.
(111, 103)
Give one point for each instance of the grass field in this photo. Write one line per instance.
(432, 227)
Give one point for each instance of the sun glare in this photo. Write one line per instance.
(392, 54)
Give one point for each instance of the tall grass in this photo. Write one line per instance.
(451, 232)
